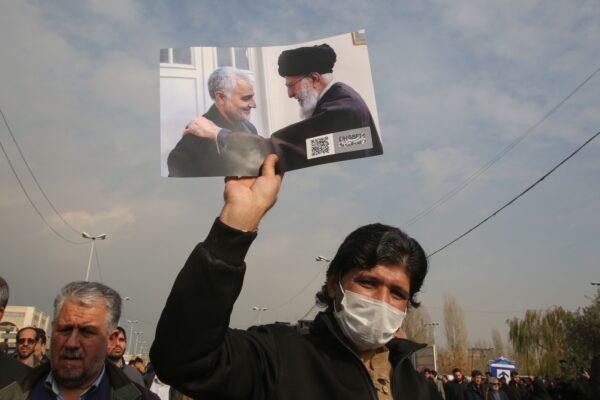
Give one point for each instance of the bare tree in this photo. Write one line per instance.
(479, 355)
(498, 343)
(417, 325)
(456, 332)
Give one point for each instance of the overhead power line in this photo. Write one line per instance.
(37, 183)
(515, 198)
(467, 181)
(288, 301)
(31, 201)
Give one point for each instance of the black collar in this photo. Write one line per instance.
(325, 323)
(118, 379)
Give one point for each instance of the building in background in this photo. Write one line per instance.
(17, 317)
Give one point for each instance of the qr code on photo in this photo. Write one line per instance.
(319, 146)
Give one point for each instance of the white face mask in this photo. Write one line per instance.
(367, 322)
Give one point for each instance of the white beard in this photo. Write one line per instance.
(307, 98)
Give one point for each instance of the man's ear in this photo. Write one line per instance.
(1, 313)
(220, 98)
(332, 286)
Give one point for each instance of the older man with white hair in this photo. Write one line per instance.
(232, 91)
(85, 315)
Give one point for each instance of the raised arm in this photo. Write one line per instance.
(194, 349)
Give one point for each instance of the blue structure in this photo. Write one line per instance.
(501, 368)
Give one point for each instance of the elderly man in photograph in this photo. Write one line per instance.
(233, 94)
(353, 349)
(85, 316)
(327, 107)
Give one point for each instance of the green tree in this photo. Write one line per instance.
(583, 340)
(539, 340)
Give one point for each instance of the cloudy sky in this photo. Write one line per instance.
(455, 82)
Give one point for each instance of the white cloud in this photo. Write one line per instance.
(113, 219)
(123, 11)
(443, 167)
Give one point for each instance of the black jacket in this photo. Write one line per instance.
(196, 156)
(340, 109)
(121, 388)
(266, 362)
(475, 393)
(11, 370)
(456, 391)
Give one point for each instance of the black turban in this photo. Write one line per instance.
(304, 60)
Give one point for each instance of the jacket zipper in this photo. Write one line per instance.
(365, 373)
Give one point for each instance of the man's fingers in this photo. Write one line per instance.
(268, 167)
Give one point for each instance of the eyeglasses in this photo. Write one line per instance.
(291, 85)
(26, 340)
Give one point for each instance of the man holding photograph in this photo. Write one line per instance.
(336, 123)
(233, 94)
(353, 349)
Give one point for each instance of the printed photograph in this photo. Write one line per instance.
(223, 109)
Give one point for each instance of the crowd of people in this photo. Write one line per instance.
(354, 350)
(484, 386)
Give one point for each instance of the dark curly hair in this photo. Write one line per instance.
(375, 244)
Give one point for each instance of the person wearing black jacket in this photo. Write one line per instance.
(10, 369)
(457, 388)
(233, 95)
(475, 389)
(276, 361)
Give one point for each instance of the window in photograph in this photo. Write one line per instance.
(177, 55)
(164, 56)
(241, 58)
(182, 55)
(224, 57)
(359, 38)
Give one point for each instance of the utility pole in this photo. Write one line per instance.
(481, 350)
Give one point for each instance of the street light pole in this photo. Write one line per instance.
(126, 299)
(137, 339)
(259, 310)
(129, 342)
(93, 240)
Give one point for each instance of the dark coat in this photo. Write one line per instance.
(196, 156)
(341, 108)
(456, 391)
(474, 393)
(11, 370)
(497, 395)
(121, 387)
(265, 362)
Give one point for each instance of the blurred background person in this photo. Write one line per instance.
(10, 369)
(26, 341)
(117, 344)
(40, 346)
